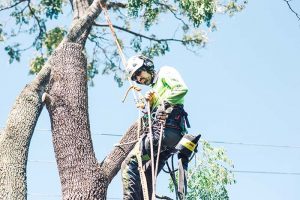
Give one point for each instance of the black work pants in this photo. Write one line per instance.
(132, 189)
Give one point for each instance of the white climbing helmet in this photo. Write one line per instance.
(137, 62)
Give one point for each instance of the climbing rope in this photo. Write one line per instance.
(158, 152)
(139, 105)
(151, 150)
(124, 62)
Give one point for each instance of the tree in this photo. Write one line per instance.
(66, 98)
(212, 173)
(16, 136)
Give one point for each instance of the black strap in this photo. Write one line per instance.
(187, 120)
(182, 179)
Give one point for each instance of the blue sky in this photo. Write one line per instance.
(243, 87)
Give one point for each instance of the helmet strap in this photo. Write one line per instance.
(153, 74)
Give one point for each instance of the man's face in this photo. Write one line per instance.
(143, 77)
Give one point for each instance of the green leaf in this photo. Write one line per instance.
(13, 52)
(156, 49)
(36, 64)
(198, 11)
(233, 7)
(136, 44)
(53, 8)
(210, 177)
(53, 38)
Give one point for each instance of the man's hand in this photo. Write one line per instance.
(161, 115)
(149, 96)
(140, 105)
(164, 111)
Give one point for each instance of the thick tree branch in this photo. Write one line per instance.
(112, 162)
(71, 3)
(290, 7)
(11, 6)
(80, 7)
(116, 5)
(16, 136)
(85, 22)
(141, 35)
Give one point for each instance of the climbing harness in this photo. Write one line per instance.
(185, 147)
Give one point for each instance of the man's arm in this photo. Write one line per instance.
(178, 88)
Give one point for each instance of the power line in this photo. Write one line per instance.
(216, 142)
(257, 145)
(210, 141)
(58, 195)
(266, 172)
(235, 171)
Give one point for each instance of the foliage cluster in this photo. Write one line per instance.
(34, 18)
(211, 175)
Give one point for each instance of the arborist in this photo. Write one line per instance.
(166, 98)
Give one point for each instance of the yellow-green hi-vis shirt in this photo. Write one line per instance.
(168, 86)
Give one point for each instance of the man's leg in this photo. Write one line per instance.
(163, 157)
(131, 179)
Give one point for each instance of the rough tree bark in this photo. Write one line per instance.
(15, 137)
(82, 177)
(67, 104)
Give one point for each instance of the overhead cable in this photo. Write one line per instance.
(210, 141)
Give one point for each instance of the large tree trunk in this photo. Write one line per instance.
(82, 177)
(15, 137)
(67, 104)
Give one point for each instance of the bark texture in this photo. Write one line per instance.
(16, 136)
(85, 22)
(79, 171)
(79, 8)
(82, 177)
(113, 161)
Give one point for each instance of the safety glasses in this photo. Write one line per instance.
(137, 73)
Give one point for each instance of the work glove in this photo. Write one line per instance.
(163, 111)
(150, 96)
(161, 115)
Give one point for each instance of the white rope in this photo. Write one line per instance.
(136, 100)
(151, 149)
(158, 152)
(142, 173)
(132, 84)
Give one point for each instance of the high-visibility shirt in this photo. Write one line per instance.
(168, 86)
